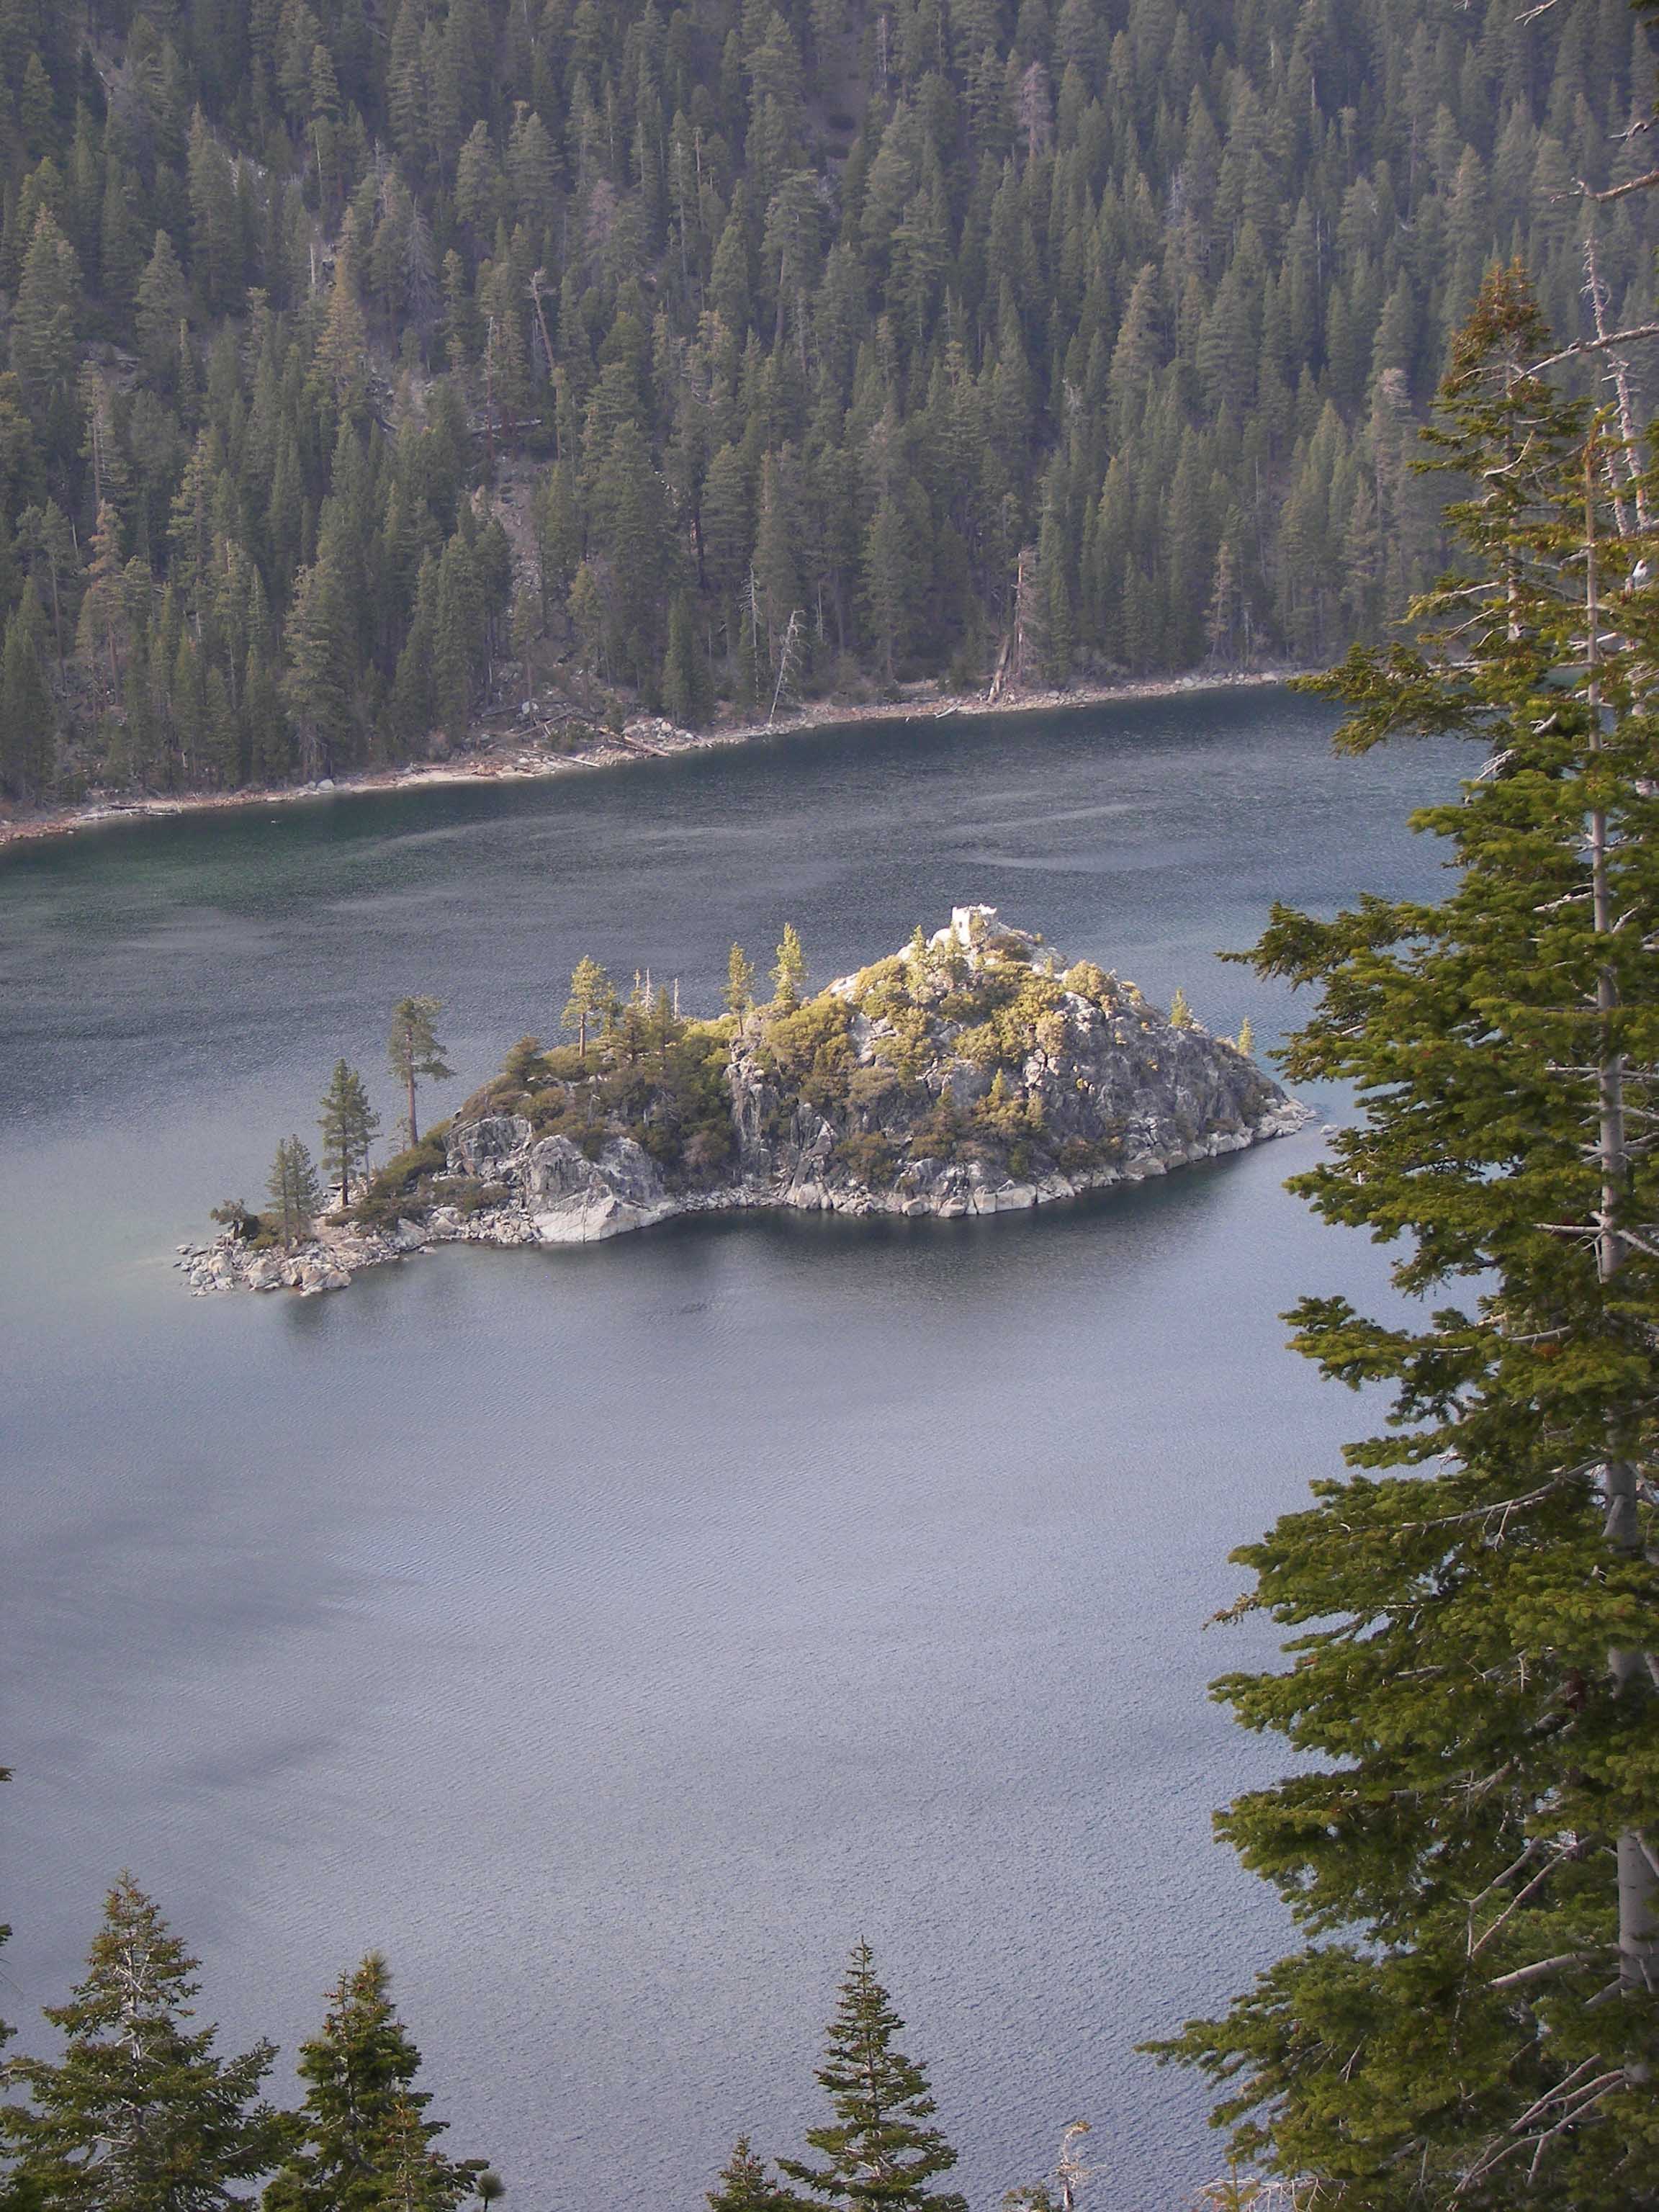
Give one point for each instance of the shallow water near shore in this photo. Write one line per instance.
(613, 1636)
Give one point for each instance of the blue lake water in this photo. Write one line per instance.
(613, 1636)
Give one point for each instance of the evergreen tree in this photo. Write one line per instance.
(789, 970)
(350, 1126)
(1476, 2019)
(43, 330)
(413, 1049)
(685, 688)
(139, 2114)
(878, 2155)
(27, 720)
(592, 999)
(1116, 362)
(747, 2184)
(294, 1193)
(163, 300)
(365, 2143)
(322, 647)
(739, 994)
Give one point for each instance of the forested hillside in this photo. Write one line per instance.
(370, 360)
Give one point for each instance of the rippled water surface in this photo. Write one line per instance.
(613, 1636)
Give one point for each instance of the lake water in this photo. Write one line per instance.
(613, 1636)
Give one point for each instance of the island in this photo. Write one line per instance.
(970, 1073)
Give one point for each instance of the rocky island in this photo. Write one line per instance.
(971, 1072)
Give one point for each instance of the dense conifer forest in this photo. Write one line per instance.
(370, 363)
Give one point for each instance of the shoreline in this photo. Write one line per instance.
(338, 1249)
(510, 759)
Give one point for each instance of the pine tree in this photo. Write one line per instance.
(592, 999)
(1246, 1038)
(294, 1191)
(739, 994)
(413, 1049)
(1475, 1868)
(747, 2184)
(163, 300)
(685, 689)
(139, 2114)
(322, 650)
(1168, 370)
(1181, 1014)
(789, 970)
(43, 329)
(27, 720)
(350, 1126)
(878, 2155)
(343, 342)
(366, 2144)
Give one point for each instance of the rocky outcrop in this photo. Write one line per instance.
(969, 1074)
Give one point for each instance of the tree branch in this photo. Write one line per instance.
(1618, 191)
(1595, 345)
(1541, 1967)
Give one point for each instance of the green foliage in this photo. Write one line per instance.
(789, 971)
(525, 1066)
(868, 1156)
(233, 1215)
(1103, 345)
(350, 1126)
(811, 1050)
(748, 2184)
(880, 2153)
(740, 995)
(365, 2143)
(140, 2113)
(1005, 1111)
(404, 1185)
(593, 1000)
(1464, 1840)
(1181, 1014)
(296, 1194)
(413, 1050)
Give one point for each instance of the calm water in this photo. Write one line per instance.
(613, 1636)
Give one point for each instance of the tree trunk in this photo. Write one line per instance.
(1638, 1883)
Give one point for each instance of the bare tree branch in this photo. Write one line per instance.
(1617, 192)
(1541, 1967)
(1595, 345)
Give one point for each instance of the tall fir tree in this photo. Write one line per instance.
(140, 2113)
(350, 1126)
(1468, 1840)
(296, 1194)
(413, 1050)
(880, 2153)
(789, 971)
(365, 2143)
(593, 1000)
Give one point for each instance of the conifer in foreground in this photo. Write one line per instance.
(1471, 1838)
(365, 2143)
(748, 2184)
(140, 2114)
(878, 2155)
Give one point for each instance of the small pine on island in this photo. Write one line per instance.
(970, 1073)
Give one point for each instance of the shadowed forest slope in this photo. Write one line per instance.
(369, 364)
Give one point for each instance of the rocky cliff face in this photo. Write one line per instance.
(970, 1073)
